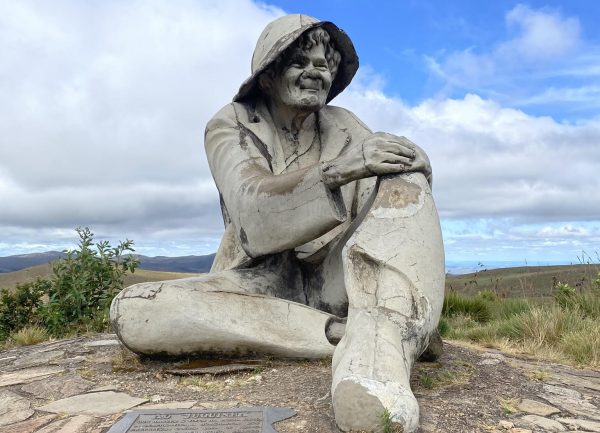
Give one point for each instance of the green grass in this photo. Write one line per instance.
(565, 328)
(387, 424)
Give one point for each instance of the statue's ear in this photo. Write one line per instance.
(265, 81)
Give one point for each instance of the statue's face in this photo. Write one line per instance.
(304, 80)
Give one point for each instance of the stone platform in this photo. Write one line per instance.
(85, 384)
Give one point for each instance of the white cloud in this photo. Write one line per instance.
(103, 111)
(494, 162)
(105, 103)
(542, 48)
(540, 34)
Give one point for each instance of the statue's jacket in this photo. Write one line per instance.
(264, 213)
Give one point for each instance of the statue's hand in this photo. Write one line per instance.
(420, 162)
(379, 154)
(385, 153)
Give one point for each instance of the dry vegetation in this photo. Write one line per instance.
(558, 323)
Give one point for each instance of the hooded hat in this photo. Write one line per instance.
(281, 34)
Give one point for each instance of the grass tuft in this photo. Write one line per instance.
(29, 335)
(509, 405)
(387, 424)
(477, 308)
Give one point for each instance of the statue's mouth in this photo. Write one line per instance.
(311, 85)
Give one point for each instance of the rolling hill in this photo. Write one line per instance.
(9, 280)
(193, 264)
(523, 282)
(529, 282)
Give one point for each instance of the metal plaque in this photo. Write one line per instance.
(242, 420)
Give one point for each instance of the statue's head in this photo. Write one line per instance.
(300, 62)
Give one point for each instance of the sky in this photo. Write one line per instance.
(103, 106)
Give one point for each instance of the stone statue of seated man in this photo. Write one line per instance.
(332, 242)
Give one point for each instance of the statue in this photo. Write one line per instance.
(332, 242)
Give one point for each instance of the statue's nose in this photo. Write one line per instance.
(312, 73)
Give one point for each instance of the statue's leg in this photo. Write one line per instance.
(230, 312)
(394, 279)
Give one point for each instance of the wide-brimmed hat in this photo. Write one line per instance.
(281, 34)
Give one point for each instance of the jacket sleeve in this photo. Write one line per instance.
(271, 213)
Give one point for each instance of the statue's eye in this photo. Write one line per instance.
(298, 61)
(321, 63)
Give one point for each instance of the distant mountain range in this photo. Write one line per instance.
(193, 264)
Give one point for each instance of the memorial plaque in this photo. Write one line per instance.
(242, 420)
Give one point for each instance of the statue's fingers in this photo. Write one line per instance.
(393, 158)
(398, 148)
(390, 168)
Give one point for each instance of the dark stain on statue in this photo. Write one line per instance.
(243, 136)
(243, 237)
(397, 193)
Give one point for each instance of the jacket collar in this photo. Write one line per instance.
(334, 136)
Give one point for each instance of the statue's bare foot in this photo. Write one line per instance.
(371, 375)
(367, 405)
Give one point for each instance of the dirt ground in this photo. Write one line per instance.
(467, 390)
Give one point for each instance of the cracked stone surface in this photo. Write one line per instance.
(537, 408)
(38, 359)
(580, 424)
(571, 401)
(27, 375)
(95, 403)
(29, 426)
(539, 422)
(461, 395)
(56, 387)
(13, 408)
(76, 424)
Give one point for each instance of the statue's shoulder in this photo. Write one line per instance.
(343, 117)
(232, 113)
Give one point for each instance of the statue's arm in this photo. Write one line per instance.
(271, 213)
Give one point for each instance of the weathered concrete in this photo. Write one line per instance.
(395, 297)
(324, 220)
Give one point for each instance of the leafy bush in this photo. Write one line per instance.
(19, 308)
(85, 282)
(78, 294)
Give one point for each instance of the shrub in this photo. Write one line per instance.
(20, 307)
(84, 284)
(78, 294)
